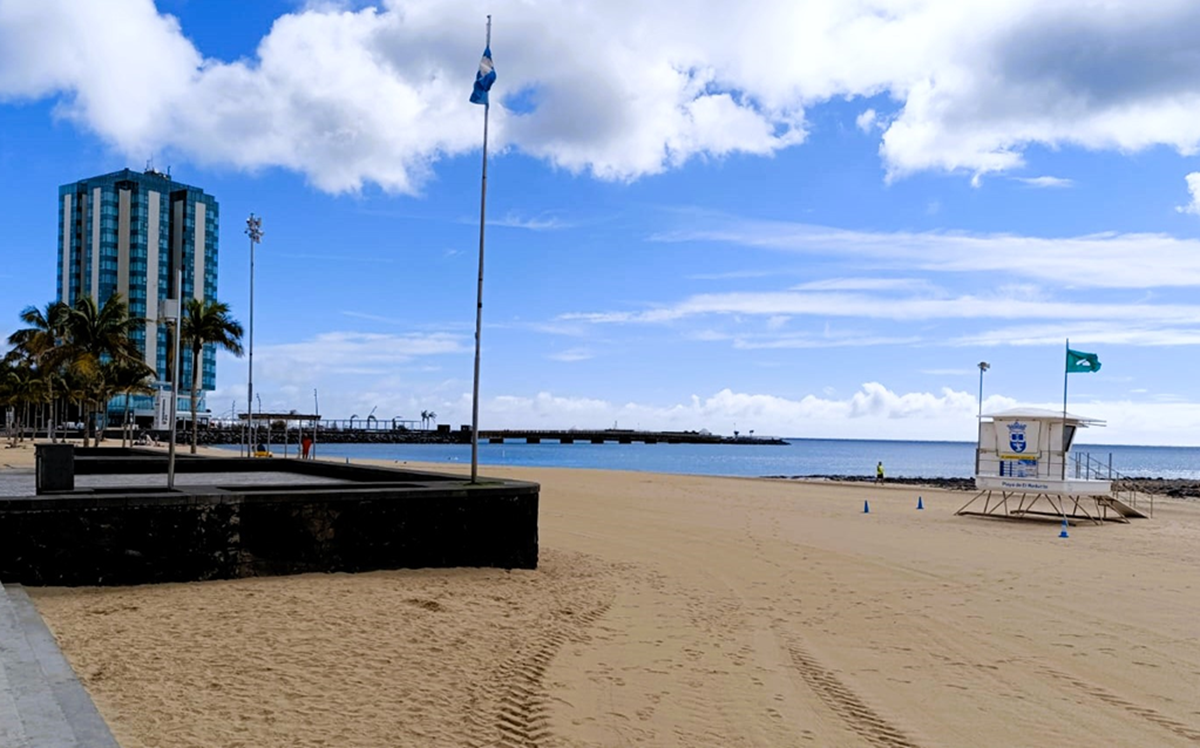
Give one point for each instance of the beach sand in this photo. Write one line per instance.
(680, 611)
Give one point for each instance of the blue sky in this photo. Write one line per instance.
(813, 221)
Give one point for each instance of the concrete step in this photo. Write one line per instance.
(52, 707)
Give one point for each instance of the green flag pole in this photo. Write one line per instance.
(1066, 372)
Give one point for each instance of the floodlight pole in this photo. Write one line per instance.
(1066, 373)
(175, 377)
(983, 366)
(254, 231)
(479, 292)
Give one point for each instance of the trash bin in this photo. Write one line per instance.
(55, 467)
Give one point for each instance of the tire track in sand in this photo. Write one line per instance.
(1110, 698)
(859, 717)
(522, 719)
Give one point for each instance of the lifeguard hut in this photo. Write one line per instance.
(1024, 468)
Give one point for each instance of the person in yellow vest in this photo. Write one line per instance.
(879, 472)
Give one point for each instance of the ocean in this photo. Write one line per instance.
(798, 457)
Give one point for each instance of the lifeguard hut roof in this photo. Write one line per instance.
(1044, 414)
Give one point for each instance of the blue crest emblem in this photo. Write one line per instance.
(1016, 436)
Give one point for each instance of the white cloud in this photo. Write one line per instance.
(557, 328)
(891, 308)
(866, 121)
(1105, 260)
(921, 413)
(1114, 331)
(1045, 182)
(344, 353)
(734, 275)
(1193, 185)
(873, 409)
(544, 223)
(866, 284)
(751, 343)
(572, 355)
(378, 95)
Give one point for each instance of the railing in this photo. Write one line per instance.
(1123, 489)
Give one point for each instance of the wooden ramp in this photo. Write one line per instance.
(1118, 506)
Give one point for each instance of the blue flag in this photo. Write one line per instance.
(484, 79)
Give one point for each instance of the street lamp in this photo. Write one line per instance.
(983, 366)
(255, 232)
(175, 376)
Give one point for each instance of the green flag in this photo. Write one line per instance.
(1078, 361)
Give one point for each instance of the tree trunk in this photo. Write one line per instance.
(50, 423)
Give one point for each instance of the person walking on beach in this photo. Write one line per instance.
(879, 472)
(306, 445)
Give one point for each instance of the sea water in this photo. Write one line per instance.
(800, 457)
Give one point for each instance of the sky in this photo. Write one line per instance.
(808, 218)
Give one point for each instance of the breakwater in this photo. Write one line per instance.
(218, 435)
(223, 436)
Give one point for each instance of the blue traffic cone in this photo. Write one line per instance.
(920, 504)
(1063, 534)
(866, 507)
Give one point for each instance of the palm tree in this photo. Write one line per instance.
(128, 377)
(95, 335)
(21, 388)
(40, 343)
(9, 397)
(208, 322)
(424, 418)
(433, 418)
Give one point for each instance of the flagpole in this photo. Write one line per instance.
(479, 292)
(1066, 372)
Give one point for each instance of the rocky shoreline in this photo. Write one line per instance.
(1175, 487)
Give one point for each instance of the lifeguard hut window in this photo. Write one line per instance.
(1069, 437)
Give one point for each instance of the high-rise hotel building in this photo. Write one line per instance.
(127, 233)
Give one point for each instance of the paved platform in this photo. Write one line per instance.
(24, 482)
(42, 703)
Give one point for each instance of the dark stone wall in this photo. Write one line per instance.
(137, 539)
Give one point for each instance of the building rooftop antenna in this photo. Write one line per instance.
(151, 171)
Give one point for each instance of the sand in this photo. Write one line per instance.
(681, 611)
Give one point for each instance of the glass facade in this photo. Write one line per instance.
(129, 232)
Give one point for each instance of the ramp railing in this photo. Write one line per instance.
(1124, 490)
